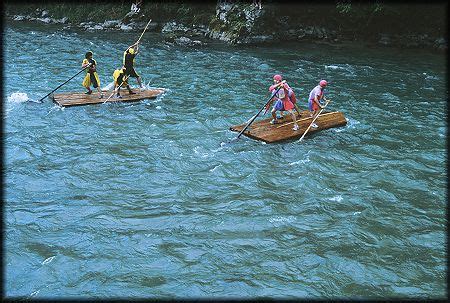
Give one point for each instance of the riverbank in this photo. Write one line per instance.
(400, 25)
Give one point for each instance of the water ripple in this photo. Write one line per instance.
(148, 199)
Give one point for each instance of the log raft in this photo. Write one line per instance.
(74, 99)
(264, 131)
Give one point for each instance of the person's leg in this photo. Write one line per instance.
(87, 83)
(96, 84)
(315, 114)
(294, 119)
(134, 74)
(130, 91)
(274, 114)
(297, 109)
(118, 92)
(99, 92)
(139, 81)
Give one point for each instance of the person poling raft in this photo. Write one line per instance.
(129, 59)
(315, 96)
(128, 62)
(283, 98)
(91, 77)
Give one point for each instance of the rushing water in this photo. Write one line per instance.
(148, 199)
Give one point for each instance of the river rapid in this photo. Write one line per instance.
(149, 200)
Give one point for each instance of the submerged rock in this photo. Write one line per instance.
(185, 41)
(19, 18)
(111, 23)
(440, 44)
(173, 27)
(259, 39)
(125, 27)
(384, 39)
(45, 20)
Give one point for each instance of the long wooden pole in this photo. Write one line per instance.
(123, 81)
(143, 32)
(65, 82)
(304, 134)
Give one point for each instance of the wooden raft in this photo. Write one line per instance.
(74, 99)
(264, 131)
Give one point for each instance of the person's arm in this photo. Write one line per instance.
(316, 100)
(85, 63)
(93, 67)
(275, 86)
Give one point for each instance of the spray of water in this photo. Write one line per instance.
(18, 97)
(110, 86)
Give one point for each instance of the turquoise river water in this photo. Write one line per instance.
(149, 200)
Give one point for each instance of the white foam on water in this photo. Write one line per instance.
(48, 260)
(356, 213)
(332, 67)
(428, 88)
(18, 97)
(391, 97)
(55, 107)
(337, 198)
(158, 107)
(214, 168)
(282, 219)
(352, 123)
(306, 160)
(198, 152)
(218, 149)
(346, 67)
(34, 293)
(442, 131)
(300, 162)
(428, 77)
(338, 130)
(110, 86)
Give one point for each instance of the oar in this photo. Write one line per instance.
(317, 116)
(114, 91)
(40, 100)
(262, 108)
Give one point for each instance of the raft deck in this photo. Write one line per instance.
(264, 131)
(74, 99)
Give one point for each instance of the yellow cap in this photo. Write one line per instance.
(131, 51)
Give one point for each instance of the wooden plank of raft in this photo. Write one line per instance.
(74, 99)
(264, 131)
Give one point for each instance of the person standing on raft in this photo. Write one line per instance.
(91, 74)
(128, 63)
(283, 102)
(120, 80)
(315, 96)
